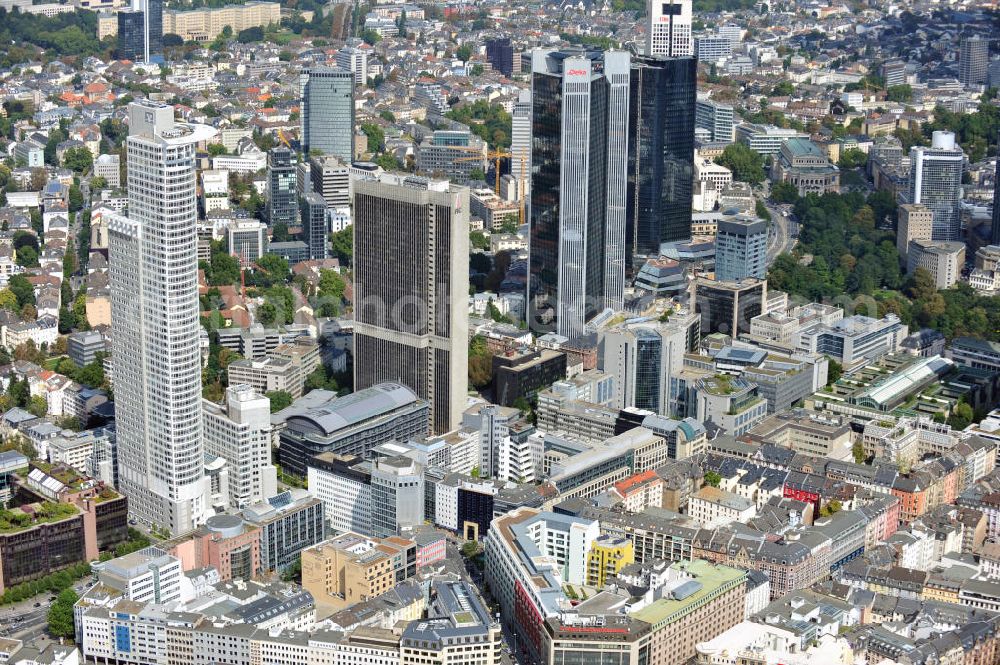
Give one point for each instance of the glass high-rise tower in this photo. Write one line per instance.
(153, 264)
(973, 60)
(995, 235)
(660, 153)
(314, 224)
(282, 206)
(579, 135)
(741, 248)
(936, 182)
(327, 112)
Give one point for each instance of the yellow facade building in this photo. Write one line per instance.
(202, 25)
(607, 556)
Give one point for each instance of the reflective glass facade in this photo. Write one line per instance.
(648, 352)
(282, 207)
(661, 153)
(327, 112)
(579, 131)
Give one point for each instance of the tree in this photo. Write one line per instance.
(371, 37)
(376, 137)
(78, 160)
(22, 290)
(331, 284)
(331, 293)
(783, 89)
(712, 479)
(225, 270)
(961, 417)
(27, 257)
(70, 423)
(760, 208)
(250, 35)
(279, 232)
(276, 266)
(75, 199)
(834, 371)
(25, 239)
(480, 363)
(463, 52)
(747, 165)
(478, 240)
(858, 450)
(342, 245)
(56, 136)
(899, 93)
(39, 177)
(61, 614)
(8, 300)
(38, 406)
(267, 313)
(852, 158)
(280, 399)
(784, 192)
(388, 162)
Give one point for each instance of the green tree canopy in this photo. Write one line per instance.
(746, 164)
(78, 160)
(280, 399)
(342, 245)
(61, 614)
(899, 93)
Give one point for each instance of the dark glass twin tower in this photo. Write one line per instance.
(140, 31)
(612, 168)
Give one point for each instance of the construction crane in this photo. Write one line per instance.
(281, 137)
(497, 155)
(246, 264)
(493, 155)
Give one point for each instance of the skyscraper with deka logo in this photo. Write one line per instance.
(579, 162)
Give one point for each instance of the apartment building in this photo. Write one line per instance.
(713, 507)
(350, 568)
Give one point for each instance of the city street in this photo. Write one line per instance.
(25, 621)
(784, 233)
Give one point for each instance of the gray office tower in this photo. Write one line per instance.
(973, 61)
(576, 264)
(936, 182)
(314, 224)
(741, 248)
(995, 235)
(661, 153)
(327, 112)
(715, 118)
(282, 206)
(893, 73)
(411, 281)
